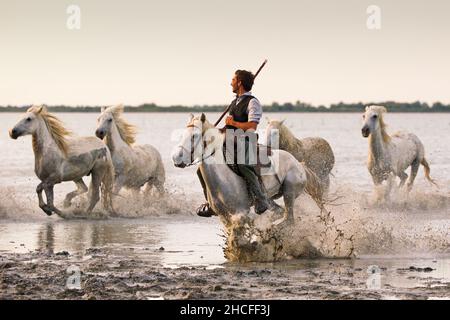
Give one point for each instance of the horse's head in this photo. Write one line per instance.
(28, 124)
(193, 141)
(372, 120)
(112, 118)
(106, 120)
(272, 133)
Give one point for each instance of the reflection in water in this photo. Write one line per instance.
(169, 242)
(76, 237)
(46, 238)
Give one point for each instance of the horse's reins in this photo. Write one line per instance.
(193, 150)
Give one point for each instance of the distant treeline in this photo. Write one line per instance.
(274, 107)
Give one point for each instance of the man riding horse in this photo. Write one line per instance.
(244, 117)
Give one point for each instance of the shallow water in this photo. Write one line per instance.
(410, 231)
(156, 240)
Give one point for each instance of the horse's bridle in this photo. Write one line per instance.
(193, 149)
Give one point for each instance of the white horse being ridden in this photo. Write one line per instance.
(227, 192)
(134, 166)
(59, 158)
(390, 156)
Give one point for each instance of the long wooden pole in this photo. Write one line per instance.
(228, 108)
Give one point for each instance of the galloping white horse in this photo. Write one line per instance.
(59, 158)
(227, 192)
(390, 156)
(315, 152)
(134, 166)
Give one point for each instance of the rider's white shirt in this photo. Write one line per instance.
(254, 109)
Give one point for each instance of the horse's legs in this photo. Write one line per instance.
(325, 182)
(290, 193)
(42, 204)
(159, 185)
(292, 187)
(118, 184)
(403, 176)
(378, 188)
(414, 168)
(390, 183)
(160, 178)
(148, 187)
(94, 190)
(289, 200)
(154, 183)
(81, 188)
(49, 194)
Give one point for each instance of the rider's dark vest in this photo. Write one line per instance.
(239, 111)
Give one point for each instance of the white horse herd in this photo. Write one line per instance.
(115, 162)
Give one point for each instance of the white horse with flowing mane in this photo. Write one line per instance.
(134, 165)
(60, 157)
(227, 192)
(315, 152)
(390, 156)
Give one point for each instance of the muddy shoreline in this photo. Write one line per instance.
(43, 275)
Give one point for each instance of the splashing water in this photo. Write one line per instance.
(131, 204)
(409, 225)
(24, 207)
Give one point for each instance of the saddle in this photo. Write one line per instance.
(262, 158)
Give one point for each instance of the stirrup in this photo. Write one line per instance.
(205, 211)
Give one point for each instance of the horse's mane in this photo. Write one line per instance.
(55, 127)
(287, 139)
(127, 131)
(380, 110)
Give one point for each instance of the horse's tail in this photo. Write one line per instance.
(426, 166)
(108, 184)
(314, 187)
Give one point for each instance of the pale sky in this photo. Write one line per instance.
(186, 51)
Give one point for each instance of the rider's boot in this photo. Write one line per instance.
(255, 189)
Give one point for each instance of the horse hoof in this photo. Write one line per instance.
(113, 214)
(47, 210)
